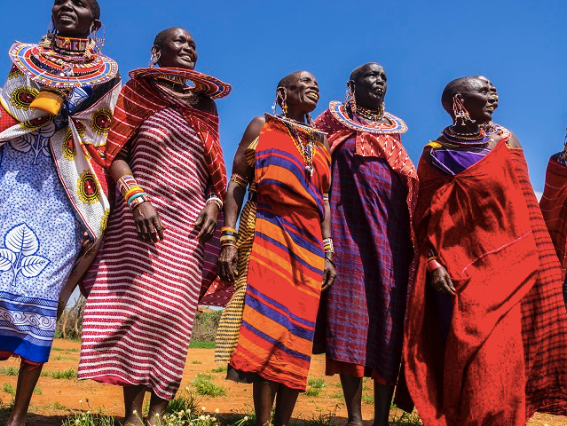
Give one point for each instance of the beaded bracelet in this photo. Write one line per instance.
(432, 265)
(137, 201)
(215, 199)
(125, 183)
(239, 180)
(328, 245)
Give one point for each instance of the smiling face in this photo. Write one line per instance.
(370, 84)
(74, 18)
(177, 49)
(300, 91)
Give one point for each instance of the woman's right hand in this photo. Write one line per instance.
(441, 281)
(148, 223)
(227, 264)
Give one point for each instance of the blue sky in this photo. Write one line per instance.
(519, 45)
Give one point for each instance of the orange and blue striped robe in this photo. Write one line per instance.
(287, 260)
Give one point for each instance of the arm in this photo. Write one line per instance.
(145, 215)
(207, 219)
(228, 259)
(438, 276)
(329, 273)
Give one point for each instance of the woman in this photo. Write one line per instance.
(486, 338)
(164, 154)
(56, 109)
(283, 264)
(373, 195)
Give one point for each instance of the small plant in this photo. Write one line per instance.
(246, 419)
(65, 374)
(10, 371)
(368, 399)
(204, 386)
(56, 406)
(199, 344)
(322, 419)
(220, 369)
(318, 383)
(62, 358)
(37, 391)
(365, 388)
(8, 388)
(337, 395)
(312, 392)
(55, 349)
(406, 419)
(183, 401)
(89, 419)
(196, 362)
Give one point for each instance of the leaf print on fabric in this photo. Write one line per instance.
(21, 239)
(21, 244)
(38, 141)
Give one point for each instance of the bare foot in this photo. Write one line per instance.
(16, 421)
(355, 422)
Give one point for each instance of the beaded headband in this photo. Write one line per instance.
(394, 125)
(205, 84)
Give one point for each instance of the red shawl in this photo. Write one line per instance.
(138, 101)
(479, 225)
(489, 233)
(554, 207)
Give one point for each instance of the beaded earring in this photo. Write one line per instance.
(154, 59)
(460, 111)
(274, 106)
(309, 120)
(563, 155)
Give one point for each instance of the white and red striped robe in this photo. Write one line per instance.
(140, 311)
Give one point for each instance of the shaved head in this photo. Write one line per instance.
(358, 71)
(455, 87)
(289, 79)
(96, 8)
(162, 35)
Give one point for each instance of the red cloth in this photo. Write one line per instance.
(478, 223)
(554, 207)
(138, 101)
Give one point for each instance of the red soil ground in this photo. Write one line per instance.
(58, 398)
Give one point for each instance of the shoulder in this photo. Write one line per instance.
(513, 141)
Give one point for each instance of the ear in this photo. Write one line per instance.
(281, 94)
(350, 85)
(95, 26)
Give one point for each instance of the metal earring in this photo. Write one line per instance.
(154, 59)
(274, 106)
(460, 111)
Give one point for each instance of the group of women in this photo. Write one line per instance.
(342, 248)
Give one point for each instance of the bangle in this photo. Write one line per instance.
(215, 199)
(433, 265)
(328, 245)
(137, 195)
(330, 260)
(227, 228)
(125, 183)
(429, 259)
(239, 180)
(137, 201)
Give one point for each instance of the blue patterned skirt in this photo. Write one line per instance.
(40, 239)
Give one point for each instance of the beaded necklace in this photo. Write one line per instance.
(368, 113)
(479, 138)
(306, 149)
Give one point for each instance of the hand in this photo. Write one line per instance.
(441, 281)
(329, 274)
(227, 264)
(207, 221)
(148, 223)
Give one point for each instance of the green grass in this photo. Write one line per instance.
(196, 362)
(312, 392)
(406, 420)
(10, 371)
(321, 419)
(316, 383)
(183, 401)
(64, 350)
(368, 399)
(365, 388)
(205, 387)
(56, 406)
(62, 358)
(65, 374)
(37, 391)
(338, 395)
(89, 419)
(221, 369)
(8, 388)
(199, 344)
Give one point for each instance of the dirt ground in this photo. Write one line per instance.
(55, 399)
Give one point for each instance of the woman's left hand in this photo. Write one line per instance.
(329, 275)
(207, 221)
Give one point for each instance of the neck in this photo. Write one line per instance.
(297, 116)
(70, 44)
(373, 107)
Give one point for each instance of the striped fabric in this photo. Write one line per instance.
(544, 322)
(286, 263)
(139, 314)
(142, 98)
(553, 205)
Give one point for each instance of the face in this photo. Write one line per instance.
(478, 100)
(74, 18)
(370, 87)
(492, 89)
(178, 50)
(302, 94)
